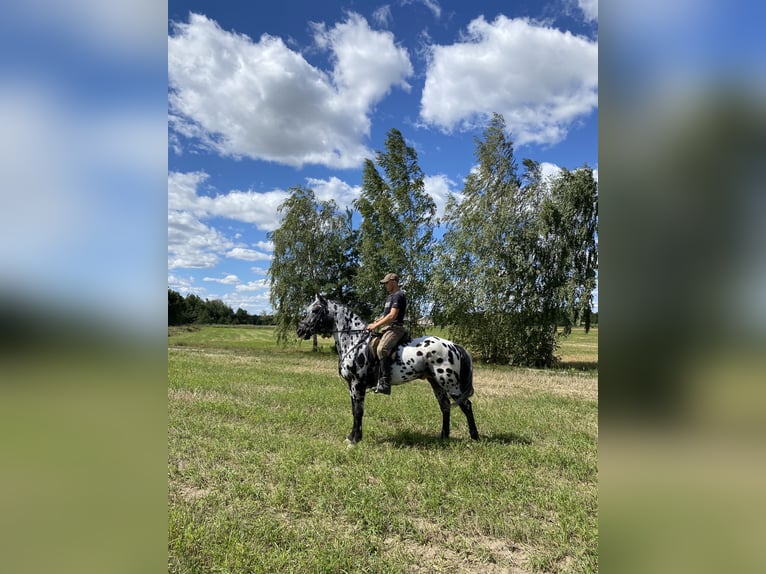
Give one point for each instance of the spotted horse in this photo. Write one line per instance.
(445, 365)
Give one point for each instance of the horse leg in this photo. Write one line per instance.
(467, 409)
(357, 409)
(443, 399)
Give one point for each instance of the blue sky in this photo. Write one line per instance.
(266, 96)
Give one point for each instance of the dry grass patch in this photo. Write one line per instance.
(510, 382)
(444, 551)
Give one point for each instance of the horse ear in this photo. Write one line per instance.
(321, 299)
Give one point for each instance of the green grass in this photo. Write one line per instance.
(260, 480)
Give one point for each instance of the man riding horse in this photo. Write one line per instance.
(393, 321)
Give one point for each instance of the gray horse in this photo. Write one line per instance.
(444, 364)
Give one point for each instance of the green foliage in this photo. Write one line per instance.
(396, 233)
(313, 253)
(519, 255)
(569, 221)
(194, 310)
(515, 258)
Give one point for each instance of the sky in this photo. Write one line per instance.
(87, 150)
(267, 96)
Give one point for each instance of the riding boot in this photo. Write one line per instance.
(384, 381)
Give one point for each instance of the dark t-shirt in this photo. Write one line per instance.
(398, 301)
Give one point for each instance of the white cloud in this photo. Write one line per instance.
(192, 243)
(382, 16)
(264, 245)
(541, 79)
(248, 254)
(257, 285)
(265, 101)
(589, 9)
(432, 5)
(440, 187)
(367, 63)
(342, 193)
(182, 285)
(549, 170)
(228, 280)
(258, 208)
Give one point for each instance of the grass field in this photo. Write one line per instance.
(260, 480)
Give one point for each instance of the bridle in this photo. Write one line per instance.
(362, 340)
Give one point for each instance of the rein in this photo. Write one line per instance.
(360, 343)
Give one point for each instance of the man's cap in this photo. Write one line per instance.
(390, 277)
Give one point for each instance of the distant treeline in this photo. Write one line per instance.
(192, 309)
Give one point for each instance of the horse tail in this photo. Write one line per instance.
(466, 377)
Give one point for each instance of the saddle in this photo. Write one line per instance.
(405, 340)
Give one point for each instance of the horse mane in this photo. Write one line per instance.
(353, 315)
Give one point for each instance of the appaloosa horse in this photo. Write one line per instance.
(444, 364)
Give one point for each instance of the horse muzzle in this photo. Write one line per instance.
(303, 331)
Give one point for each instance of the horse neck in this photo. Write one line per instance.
(349, 327)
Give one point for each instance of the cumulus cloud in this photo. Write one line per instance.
(336, 189)
(192, 243)
(440, 187)
(258, 208)
(541, 79)
(549, 170)
(228, 280)
(263, 100)
(257, 285)
(248, 254)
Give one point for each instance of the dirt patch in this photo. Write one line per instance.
(468, 555)
(189, 493)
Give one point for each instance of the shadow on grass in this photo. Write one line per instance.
(409, 439)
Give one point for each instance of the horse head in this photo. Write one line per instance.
(317, 320)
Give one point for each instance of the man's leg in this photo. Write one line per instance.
(386, 345)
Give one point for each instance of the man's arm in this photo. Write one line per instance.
(383, 321)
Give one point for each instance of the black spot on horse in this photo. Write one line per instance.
(439, 370)
(439, 360)
(420, 353)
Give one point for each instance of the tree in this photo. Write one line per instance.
(502, 271)
(396, 232)
(313, 253)
(570, 216)
(176, 308)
